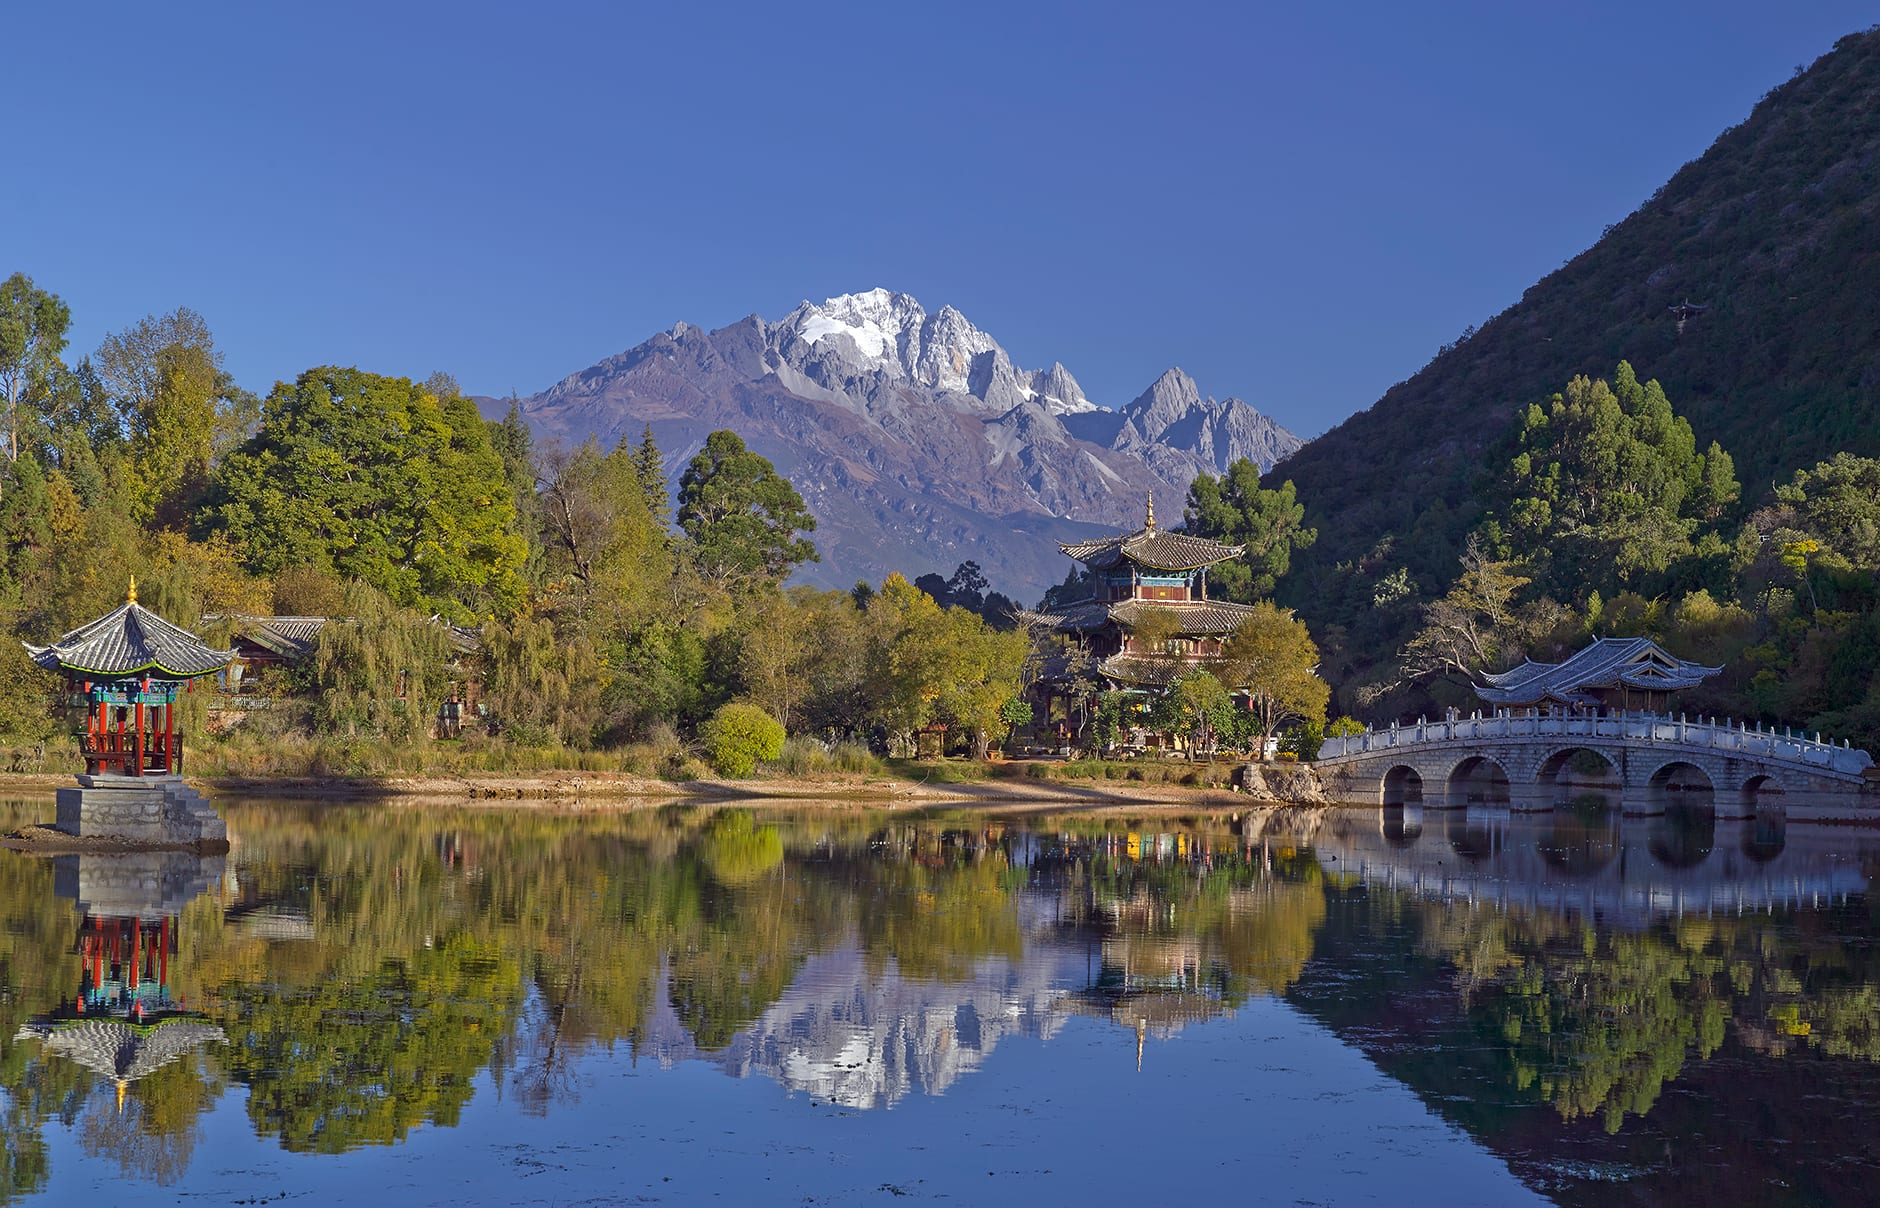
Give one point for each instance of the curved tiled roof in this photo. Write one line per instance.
(1211, 617)
(1139, 669)
(1197, 616)
(1637, 663)
(1152, 548)
(129, 641)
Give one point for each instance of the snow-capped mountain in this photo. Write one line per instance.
(943, 350)
(912, 436)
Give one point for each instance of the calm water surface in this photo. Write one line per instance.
(422, 1006)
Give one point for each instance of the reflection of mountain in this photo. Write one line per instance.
(869, 1039)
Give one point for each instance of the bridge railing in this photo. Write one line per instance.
(1731, 736)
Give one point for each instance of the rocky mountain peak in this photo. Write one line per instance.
(912, 436)
(1167, 400)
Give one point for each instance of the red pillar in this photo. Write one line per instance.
(137, 956)
(139, 707)
(163, 956)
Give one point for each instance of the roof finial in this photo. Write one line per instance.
(130, 597)
(1151, 523)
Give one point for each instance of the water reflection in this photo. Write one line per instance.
(371, 969)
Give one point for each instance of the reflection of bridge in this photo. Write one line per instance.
(1535, 761)
(1624, 870)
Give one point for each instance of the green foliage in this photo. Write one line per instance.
(33, 324)
(1274, 659)
(378, 480)
(649, 466)
(380, 671)
(738, 737)
(741, 515)
(1606, 485)
(1237, 510)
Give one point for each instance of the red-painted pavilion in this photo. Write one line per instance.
(127, 669)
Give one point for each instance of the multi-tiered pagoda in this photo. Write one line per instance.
(1136, 574)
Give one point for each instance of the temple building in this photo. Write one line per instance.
(1139, 574)
(1612, 674)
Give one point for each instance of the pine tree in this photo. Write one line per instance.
(651, 467)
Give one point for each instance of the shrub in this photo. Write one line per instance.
(737, 736)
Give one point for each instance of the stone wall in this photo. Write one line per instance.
(154, 811)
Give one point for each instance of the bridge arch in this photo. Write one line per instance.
(1403, 785)
(1578, 768)
(1680, 783)
(1477, 780)
(1761, 792)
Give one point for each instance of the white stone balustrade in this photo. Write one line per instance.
(1729, 736)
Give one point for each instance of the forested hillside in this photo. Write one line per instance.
(1775, 231)
(1771, 235)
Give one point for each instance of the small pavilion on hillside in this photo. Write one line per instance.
(127, 669)
(1611, 674)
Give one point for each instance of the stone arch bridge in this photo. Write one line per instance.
(1534, 761)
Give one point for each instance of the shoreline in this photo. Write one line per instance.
(621, 790)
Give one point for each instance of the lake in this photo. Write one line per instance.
(693, 1003)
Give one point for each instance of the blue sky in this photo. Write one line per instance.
(1295, 203)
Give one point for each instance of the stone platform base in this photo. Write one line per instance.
(157, 811)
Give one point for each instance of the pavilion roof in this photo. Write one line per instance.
(1153, 548)
(1636, 663)
(130, 640)
(1145, 671)
(1198, 617)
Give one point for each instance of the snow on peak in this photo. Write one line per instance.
(894, 331)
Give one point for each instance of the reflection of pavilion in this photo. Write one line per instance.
(124, 1022)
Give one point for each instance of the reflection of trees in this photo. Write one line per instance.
(153, 1133)
(1595, 1023)
(1246, 924)
(936, 909)
(346, 1062)
(438, 944)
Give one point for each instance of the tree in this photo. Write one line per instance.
(1237, 510)
(1607, 485)
(32, 335)
(738, 736)
(1273, 657)
(378, 480)
(1838, 504)
(1474, 627)
(968, 586)
(1199, 708)
(650, 465)
(165, 379)
(741, 515)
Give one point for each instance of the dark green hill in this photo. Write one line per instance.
(1776, 229)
